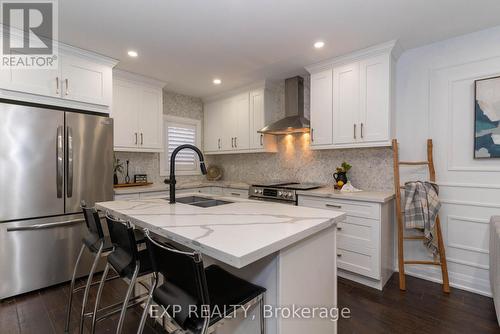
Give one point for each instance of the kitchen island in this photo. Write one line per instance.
(289, 250)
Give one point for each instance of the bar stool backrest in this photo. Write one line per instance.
(122, 237)
(183, 273)
(93, 221)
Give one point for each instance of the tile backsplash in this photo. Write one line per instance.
(372, 167)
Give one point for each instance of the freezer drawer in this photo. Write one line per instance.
(41, 252)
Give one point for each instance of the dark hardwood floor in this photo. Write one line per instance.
(422, 309)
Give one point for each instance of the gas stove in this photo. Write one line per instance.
(283, 192)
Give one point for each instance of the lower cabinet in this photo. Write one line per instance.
(222, 191)
(365, 240)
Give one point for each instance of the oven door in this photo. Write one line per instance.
(274, 200)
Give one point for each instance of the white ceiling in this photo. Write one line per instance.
(189, 42)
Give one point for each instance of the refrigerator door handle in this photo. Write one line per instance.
(45, 226)
(69, 192)
(59, 162)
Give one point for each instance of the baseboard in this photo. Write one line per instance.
(458, 281)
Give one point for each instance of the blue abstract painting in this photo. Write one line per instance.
(487, 119)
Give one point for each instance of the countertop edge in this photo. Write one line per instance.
(366, 196)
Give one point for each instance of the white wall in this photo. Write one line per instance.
(435, 99)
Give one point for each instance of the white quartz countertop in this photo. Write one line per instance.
(367, 196)
(181, 185)
(237, 234)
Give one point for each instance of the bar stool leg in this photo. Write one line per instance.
(87, 287)
(71, 289)
(127, 298)
(98, 297)
(262, 323)
(146, 306)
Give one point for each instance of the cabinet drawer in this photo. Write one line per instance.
(359, 234)
(360, 263)
(235, 192)
(154, 194)
(351, 208)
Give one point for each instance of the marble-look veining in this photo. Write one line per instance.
(237, 234)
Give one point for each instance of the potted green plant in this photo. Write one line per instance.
(340, 175)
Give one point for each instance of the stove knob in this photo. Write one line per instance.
(280, 193)
(289, 195)
(260, 191)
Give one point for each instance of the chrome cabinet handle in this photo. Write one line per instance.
(261, 139)
(312, 134)
(339, 227)
(235, 194)
(59, 162)
(236, 142)
(361, 130)
(232, 142)
(334, 206)
(218, 143)
(142, 139)
(45, 226)
(57, 85)
(339, 255)
(69, 186)
(67, 86)
(135, 138)
(354, 131)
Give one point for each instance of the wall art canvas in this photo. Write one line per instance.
(487, 118)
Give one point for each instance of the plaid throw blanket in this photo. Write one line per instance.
(421, 205)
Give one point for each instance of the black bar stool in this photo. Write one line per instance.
(187, 283)
(129, 263)
(99, 245)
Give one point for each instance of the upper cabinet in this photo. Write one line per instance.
(137, 112)
(351, 99)
(83, 80)
(231, 122)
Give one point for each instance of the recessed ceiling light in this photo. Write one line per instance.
(217, 81)
(132, 53)
(319, 44)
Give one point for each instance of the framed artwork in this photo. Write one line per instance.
(487, 118)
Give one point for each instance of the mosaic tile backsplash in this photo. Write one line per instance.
(372, 167)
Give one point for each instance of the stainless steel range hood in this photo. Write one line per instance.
(294, 121)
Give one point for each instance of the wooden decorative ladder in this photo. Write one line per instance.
(400, 219)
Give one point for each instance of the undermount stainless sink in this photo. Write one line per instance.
(202, 202)
(192, 199)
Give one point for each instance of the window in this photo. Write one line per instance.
(178, 131)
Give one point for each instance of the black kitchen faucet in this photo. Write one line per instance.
(171, 181)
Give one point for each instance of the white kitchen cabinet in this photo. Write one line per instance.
(85, 80)
(212, 126)
(138, 113)
(361, 92)
(231, 122)
(375, 99)
(345, 103)
(365, 240)
(321, 107)
(40, 82)
(82, 80)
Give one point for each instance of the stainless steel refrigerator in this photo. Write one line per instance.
(50, 160)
